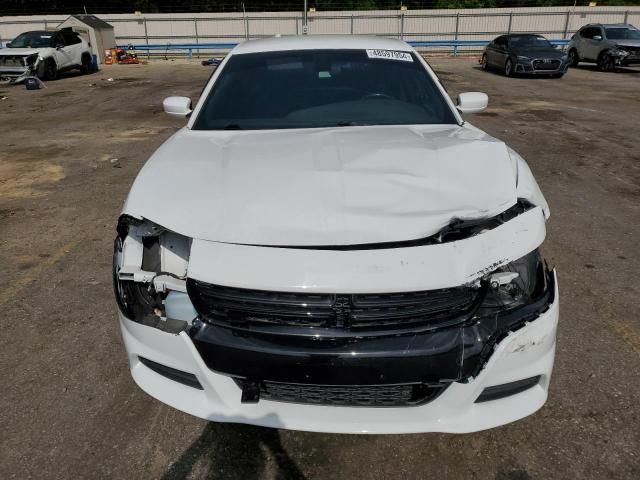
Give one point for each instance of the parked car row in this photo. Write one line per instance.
(609, 46)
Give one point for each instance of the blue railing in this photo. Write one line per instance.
(190, 47)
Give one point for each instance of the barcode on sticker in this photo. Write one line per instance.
(390, 55)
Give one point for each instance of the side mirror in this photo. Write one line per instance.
(472, 102)
(59, 46)
(177, 106)
(8, 45)
(597, 38)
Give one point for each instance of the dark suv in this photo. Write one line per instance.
(610, 46)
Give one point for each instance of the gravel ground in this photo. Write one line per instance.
(68, 155)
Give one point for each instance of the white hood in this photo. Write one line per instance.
(330, 186)
(21, 51)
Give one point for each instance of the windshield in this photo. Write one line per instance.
(322, 88)
(32, 40)
(622, 34)
(529, 41)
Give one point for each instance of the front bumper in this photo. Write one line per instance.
(537, 67)
(525, 353)
(15, 74)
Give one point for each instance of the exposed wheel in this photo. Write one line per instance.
(47, 70)
(86, 64)
(574, 59)
(606, 63)
(484, 63)
(508, 68)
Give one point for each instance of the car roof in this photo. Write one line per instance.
(41, 32)
(320, 42)
(611, 25)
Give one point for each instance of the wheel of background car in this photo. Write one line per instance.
(47, 70)
(86, 64)
(573, 58)
(606, 63)
(508, 68)
(484, 63)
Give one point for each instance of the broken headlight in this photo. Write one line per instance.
(31, 60)
(516, 284)
(149, 263)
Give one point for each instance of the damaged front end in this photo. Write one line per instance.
(149, 275)
(16, 68)
(370, 348)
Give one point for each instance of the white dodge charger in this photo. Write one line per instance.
(328, 245)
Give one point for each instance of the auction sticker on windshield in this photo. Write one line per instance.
(390, 55)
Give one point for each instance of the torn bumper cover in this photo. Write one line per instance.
(16, 68)
(462, 339)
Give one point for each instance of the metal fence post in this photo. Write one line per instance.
(195, 26)
(45, 23)
(146, 37)
(510, 21)
(626, 17)
(352, 24)
(455, 48)
(401, 36)
(566, 25)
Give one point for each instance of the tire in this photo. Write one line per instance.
(85, 68)
(606, 63)
(47, 70)
(574, 59)
(508, 68)
(484, 63)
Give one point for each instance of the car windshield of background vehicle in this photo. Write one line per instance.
(622, 34)
(529, 41)
(32, 40)
(322, 88)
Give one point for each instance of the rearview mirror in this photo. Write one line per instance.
(597, 37)
(177, 106)
(472, 102)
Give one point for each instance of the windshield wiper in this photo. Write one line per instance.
(348, 124)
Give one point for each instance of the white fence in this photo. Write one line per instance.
(170, 30)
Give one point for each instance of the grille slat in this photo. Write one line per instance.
(400, 395)
(238, 307)
(546, 65)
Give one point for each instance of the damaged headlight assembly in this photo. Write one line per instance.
(149, 274)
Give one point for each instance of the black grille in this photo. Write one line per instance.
(546, 64)
(243, 308)
(402, 395)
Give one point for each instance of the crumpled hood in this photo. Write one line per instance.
(627, 43)
(329, 186)
(13, 52)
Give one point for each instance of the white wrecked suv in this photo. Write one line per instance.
(328, 246)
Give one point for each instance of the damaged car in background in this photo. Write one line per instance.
(44, 54)
(329, 246)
